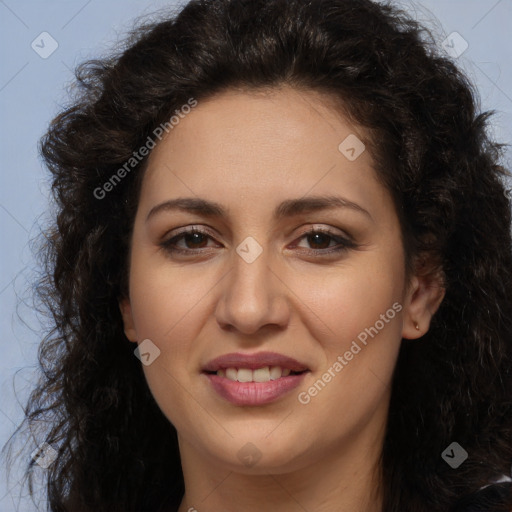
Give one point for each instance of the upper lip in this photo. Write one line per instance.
(253, 362)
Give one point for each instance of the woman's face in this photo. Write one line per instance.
(254, 289)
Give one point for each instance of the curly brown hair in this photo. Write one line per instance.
(434, 156)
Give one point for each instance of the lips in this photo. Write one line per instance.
(254, 362)
(254, 379)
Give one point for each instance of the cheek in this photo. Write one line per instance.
(362, 310)
(345, 301)
(163, 304)
(166, 299)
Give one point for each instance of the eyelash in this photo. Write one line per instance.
(343, 243)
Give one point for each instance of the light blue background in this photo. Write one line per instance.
(32, 91)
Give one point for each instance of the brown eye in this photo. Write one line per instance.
(192, 238)
(320, 241)
(196, 239)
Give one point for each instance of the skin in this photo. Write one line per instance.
(250, 151)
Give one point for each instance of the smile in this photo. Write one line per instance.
(254, 379)
(264, 374)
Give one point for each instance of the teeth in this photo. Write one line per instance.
(264, 374)
(244, 375)
(231, 373)
(261, 374)
(275, 372)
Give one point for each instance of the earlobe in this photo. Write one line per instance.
(126, 312)
(423, 299)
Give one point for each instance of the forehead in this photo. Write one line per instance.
(257, 146)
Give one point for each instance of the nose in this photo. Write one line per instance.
(253, 295)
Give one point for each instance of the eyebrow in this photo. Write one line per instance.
(287, 208)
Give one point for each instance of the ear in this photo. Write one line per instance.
(126, 312)
(424, 296)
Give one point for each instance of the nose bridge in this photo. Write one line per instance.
(251, 296)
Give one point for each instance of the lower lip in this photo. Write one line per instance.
(254, 393)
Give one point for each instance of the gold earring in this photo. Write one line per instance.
(417, 326)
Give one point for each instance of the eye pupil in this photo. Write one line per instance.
(315, 237)
(196, 237)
